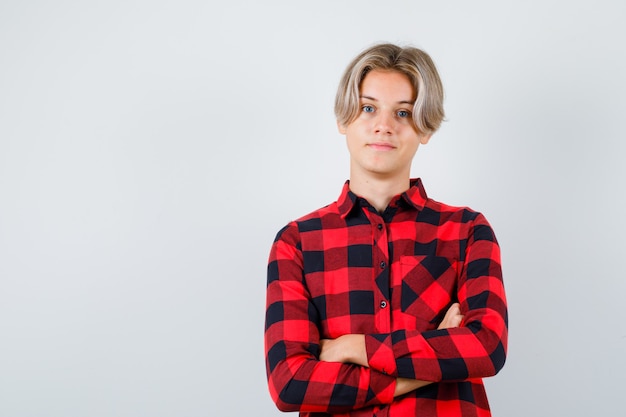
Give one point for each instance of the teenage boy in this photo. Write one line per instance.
(385, 302)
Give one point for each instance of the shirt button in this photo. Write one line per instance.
(383, 265)
(380, 227)
(383, 304)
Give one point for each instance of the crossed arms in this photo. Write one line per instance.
(307, 371)
(351, 348)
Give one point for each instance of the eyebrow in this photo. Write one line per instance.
(399, 102)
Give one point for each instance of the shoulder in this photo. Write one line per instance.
(315, 220)
(469, 221)
(446, 212)
(436, 212)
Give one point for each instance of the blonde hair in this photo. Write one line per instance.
(416, 64)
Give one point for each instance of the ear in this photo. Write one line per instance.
(341, 128)
(424, 138)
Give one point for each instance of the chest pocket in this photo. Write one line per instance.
(428, 285)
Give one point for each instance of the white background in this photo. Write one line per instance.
(150, 151)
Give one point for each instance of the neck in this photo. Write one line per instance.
(378, 191)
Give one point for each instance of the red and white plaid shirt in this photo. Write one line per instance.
(347, 269)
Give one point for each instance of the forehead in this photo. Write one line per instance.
(388, 85)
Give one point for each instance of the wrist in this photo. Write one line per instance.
(356, 352)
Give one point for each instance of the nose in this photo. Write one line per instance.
(383, 123)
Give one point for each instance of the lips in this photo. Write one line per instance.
(381, 146)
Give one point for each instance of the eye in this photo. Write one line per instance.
(403, 114)
(367, 109)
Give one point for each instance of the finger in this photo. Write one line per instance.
(456, 320)
(452, 317)
(455, 309)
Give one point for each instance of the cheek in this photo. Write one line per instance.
(412, 148)
(354, 134)
(350, 143)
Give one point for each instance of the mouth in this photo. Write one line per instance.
(381, 146)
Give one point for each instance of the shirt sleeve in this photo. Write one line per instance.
(478, 347)
(297, 379)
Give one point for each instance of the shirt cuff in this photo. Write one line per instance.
(380, 355)
(382, 389)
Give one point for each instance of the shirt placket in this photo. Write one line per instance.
(381, 264)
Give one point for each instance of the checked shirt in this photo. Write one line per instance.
(347, 269)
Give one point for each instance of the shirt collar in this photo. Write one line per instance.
(415, 196)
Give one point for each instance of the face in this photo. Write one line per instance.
(382, 140)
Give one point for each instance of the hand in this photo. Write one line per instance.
(404, 385)
(349, 348)
(453, 317)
